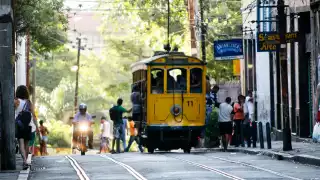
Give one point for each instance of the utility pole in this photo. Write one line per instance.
(203, 32)
(192, 27)
(282, 49)
(77, 77)
(8, 156)
(34, 68)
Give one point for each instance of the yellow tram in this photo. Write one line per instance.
(173, 108)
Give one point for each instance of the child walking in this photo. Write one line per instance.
(133, 135)
(105, 135)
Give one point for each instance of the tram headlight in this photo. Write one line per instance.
(176, 110)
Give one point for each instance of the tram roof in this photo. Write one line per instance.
(142, 64)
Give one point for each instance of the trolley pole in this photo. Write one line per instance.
(282, 49)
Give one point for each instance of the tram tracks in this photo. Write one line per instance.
(83, 176)
(255, 167)
(80, 172)
(230, 176)
(184, 159)
(132, 171)
(234, 162)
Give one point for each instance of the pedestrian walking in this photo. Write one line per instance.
(225, 122)
(32, 139)
(317, 106)
(137, 98)
(116, 113)
(25, 118)
(249, 123)
(44, 139)
(133, 135)
(105, 135)
(238, 119)
(124, 132)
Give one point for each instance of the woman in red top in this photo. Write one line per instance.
(238, 119)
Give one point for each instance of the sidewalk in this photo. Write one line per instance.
(18, 174)
(303, 152)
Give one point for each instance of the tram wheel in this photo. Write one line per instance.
(187, 150)
(150, 150)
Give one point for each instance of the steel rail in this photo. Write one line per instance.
(210, 169)
(133, 172)
(254, 167)
(80, 172)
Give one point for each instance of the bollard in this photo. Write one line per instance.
(261, 136)
(254, 134)
(268, 135)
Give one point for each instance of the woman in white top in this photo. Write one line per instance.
(24, 135)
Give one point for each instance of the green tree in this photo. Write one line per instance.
(44, 20)
(149, 23)
(224, 21)
(49, 72)
(149, 19)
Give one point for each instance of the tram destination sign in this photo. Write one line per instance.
(268, 41)
(228, 49)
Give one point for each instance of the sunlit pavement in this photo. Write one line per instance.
(168, 165)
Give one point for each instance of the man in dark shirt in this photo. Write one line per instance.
(118, 122)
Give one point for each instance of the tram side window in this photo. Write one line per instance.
(157, 81)
(176, 80)
(196, 80)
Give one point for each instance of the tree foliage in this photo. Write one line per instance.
(224, 21)
(101, 81)
(44, 20)
(148, 21)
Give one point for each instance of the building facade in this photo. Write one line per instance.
(274, 80)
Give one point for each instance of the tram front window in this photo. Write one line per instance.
(157, 81)
(196, 80)
(176, 80)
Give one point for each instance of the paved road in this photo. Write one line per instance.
(165, 166)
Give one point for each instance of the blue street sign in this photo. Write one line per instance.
(228, 49)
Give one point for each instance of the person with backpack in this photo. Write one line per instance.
(116, 113)
(25, 118)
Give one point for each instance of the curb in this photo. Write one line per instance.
(302, 159)
(24, 174)
(307, 159)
